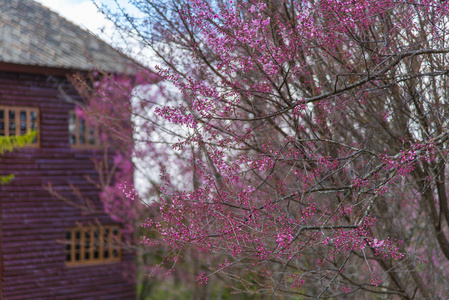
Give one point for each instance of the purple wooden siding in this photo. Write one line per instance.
(32, 222)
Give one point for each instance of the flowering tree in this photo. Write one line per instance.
(313, 138)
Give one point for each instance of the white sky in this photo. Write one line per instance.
(85, 14)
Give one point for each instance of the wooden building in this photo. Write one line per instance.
(50, 249)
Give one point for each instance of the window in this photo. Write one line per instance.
(82, 135)
(93, 244)
(15, 121)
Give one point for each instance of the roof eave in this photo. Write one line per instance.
(33, 69)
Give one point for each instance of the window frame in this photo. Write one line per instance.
(87, 128)
(74, 245)
(28, 122)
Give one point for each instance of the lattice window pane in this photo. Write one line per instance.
(93, 244)
(23, 122)
(82, 134)
(12, 122)
(15, 121)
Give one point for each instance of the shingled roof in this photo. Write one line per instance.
(31, 34)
